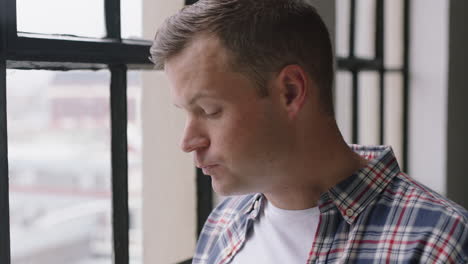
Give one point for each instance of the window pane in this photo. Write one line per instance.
(73, 17)
(132, 19)
(365, 28)
(134, 166)
(59, 162)
(343, 103)
(394, 113)
(369, 108)
(342, 27)
(394, 33)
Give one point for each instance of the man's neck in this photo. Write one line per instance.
(308, 178)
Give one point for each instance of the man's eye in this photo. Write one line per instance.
(212, 113)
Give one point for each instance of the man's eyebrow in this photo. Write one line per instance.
(195, 98)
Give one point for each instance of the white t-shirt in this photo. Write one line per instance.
(280, 236)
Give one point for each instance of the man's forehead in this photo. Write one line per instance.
(204, 52)
(197, 96)
(197, 70)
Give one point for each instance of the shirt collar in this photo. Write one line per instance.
(352, 195)
(253, 207)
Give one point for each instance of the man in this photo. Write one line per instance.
(255, 79)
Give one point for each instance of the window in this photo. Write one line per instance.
(371, 91)
(67, 137)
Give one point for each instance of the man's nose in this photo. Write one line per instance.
(193, 139)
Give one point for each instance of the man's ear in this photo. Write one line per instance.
(293, 84)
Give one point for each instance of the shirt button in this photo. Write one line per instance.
(349, 212)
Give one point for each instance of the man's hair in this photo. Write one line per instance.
(260, 36)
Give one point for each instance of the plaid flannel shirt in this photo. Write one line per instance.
(377, 215)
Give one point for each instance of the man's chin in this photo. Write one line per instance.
(228, 189)
(222, 190)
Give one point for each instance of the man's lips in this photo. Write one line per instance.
(203, 166)
(208, 168)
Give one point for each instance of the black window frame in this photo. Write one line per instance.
(34, 51)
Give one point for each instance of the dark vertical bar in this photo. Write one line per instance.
(379, 29)
(355, 99)
(379, 54)
(9, 6)
(354, 72)
(119, 163)
(352, 29)
(120, 217)
(406, 42)
(4, 180)
(112, 12)
(204, 199)
(4, 190)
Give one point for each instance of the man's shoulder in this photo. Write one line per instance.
(430, 219)
(226, 217)
(431, 224)
(412, 194)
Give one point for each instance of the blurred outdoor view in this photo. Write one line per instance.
(59, 147)
(59, 162)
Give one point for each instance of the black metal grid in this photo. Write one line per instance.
(355, 65)
(19, 50)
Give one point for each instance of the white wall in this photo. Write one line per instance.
(169, 214)
(428, 92)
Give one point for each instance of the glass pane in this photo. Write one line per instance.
(132, 19)
(394, 113)
(342, 27)
(365, 28)
(369, 108)
(343, 103)
(59, 162)
(393, 33)
(135, 176)
(75, 17)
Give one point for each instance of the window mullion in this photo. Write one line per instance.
(113, 24)
(406, 40)
(9, 7)
(4, 188)
(354, 72)
(120, 213)
(5, 252)
(204, 199)
(61, 49)
(379, 54)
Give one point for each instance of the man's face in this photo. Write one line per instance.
(228, 126)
